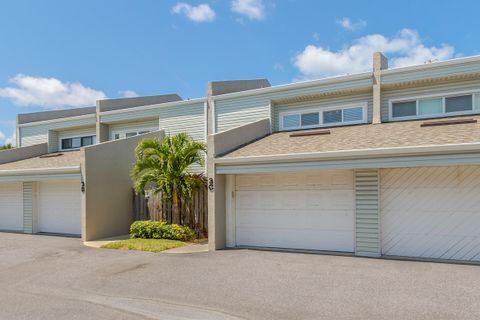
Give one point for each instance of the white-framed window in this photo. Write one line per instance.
(72, 143)
(116, 135)
(433, 106)
(323, 117)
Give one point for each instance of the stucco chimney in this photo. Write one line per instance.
(380, 62)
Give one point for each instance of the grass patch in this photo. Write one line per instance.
(151, 245)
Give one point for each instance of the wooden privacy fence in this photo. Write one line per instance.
(194, 214)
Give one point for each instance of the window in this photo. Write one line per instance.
(128, 134)
(291, 121)
(322, 117)
(310, 119)
(332, 116)
(430, 106)
(437, 106)
(404, 109)
(77, 142)
(458, 104)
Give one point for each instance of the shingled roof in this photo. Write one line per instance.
(458, 130)
(47, 161)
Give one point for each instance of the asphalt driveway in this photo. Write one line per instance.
(45, 277)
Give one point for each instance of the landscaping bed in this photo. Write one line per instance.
(154, 236)
(150, 245)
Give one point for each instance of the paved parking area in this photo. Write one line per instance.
(46, 277)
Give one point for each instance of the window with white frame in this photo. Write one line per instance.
(435, 106)
(128, 134)
(77, 142)
(323, 117)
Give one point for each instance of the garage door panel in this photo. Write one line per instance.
(59, 207)
(431, 212)
(313, 210)
(316, 199)
(283, 219)
(295, 239)
(11, 206)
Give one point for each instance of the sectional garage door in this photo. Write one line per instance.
(313, 210)
(431, 212)
(11, 206)
(59, 208)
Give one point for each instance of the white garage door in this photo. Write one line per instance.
(11, 206)
(431, 212)
(59, 207)
(312, 210)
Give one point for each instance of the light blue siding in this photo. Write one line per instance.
(152, 112)
(189, 119)
(445, 88)
(36, 134)
(429, 72)
(367, 224)
(325, 103)
(188, 116)
(237, 111)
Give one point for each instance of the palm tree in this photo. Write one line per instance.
(163, 166)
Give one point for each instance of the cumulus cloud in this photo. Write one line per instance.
(404, 49)
(350, 25)
(252, 9)
(200, 13)
(49, 93)
(128, 94)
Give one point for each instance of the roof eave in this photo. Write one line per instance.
(40, 171)
(353, 154)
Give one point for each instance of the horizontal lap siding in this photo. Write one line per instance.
(36, 134)
(367, 231)
(189, 119)
(28, 207)
(427, 73)
(234, 112)
(324, 103)
(153, 112)
(426, 90)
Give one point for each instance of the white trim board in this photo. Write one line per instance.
(66, 119)
(438, 95)
(320, 110)
(153, 106)
(374, 163)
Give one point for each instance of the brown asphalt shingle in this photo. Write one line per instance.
(65, 159)
(368, 136)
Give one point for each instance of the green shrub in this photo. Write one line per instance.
(160, 230)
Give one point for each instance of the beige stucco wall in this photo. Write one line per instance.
(107, 203)
(219, 144)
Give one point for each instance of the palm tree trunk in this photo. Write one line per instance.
(175, 208)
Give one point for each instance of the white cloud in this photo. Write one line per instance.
(253, 9)
(49, 93)
(128, 94)
(200, 13)
(404, 49)
(348, 24)
(7, 140)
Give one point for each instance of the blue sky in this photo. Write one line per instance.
(61, 54)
